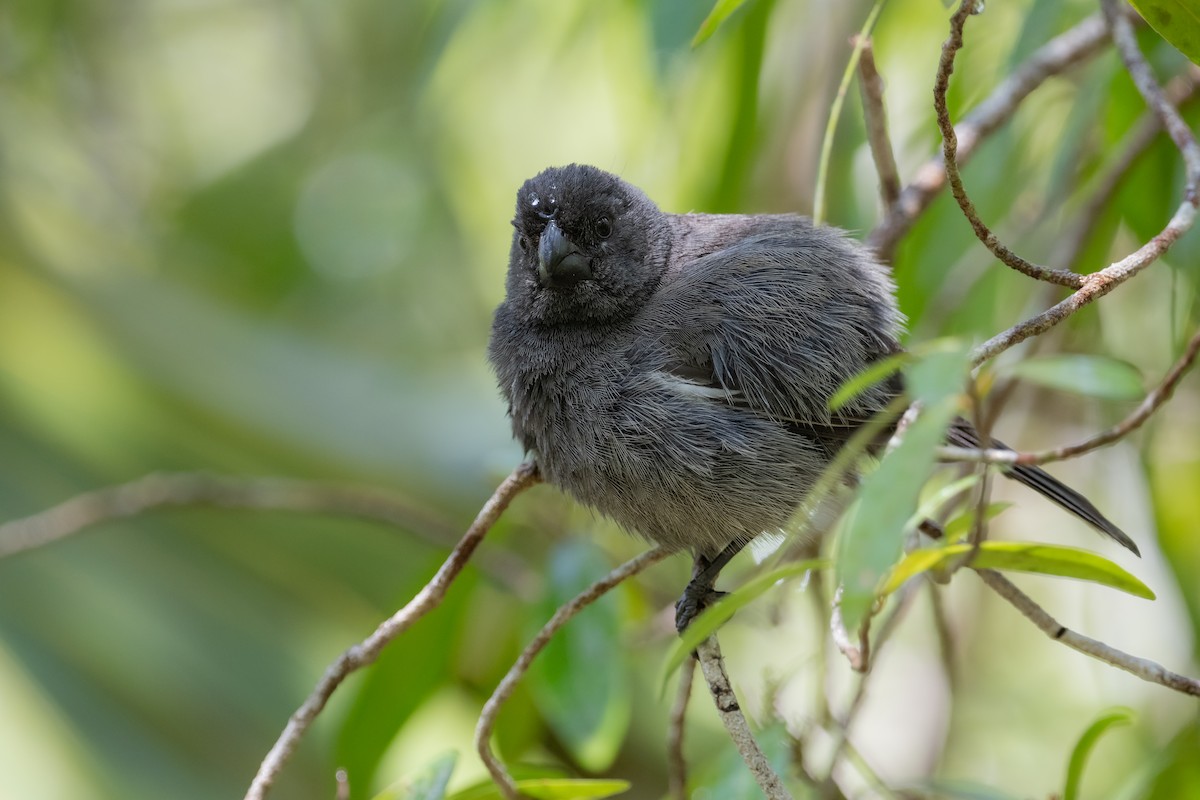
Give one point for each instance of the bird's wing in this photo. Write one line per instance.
(775, 324)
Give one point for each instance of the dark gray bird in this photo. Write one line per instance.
(673, 371)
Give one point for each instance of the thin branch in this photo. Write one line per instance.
(343, 785)
(835, 112)
(1181, 90)
(713, 667)
(1101, 283)
(1121, 30)
(676, 763)
(945, 634)
(903, 601)
(491, 709)
(1151, 403)
(950, 49)
(1143, 668)
(183, 489)
(857, 653)
(1058, 55)
(875, 113)
(366, 652)
(159, 490)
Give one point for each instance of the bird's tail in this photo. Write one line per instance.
(962, 434)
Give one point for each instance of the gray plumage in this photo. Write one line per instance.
(672, 371)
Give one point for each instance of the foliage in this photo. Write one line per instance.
(266, 238)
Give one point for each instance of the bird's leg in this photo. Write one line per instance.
(699, 593)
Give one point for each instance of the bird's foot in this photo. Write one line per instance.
(695, 598)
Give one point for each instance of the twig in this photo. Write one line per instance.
(713, 667)
(343, 785)
(950, 49)
(1123, 37)
(181, 489)
(491, 709)
(676, 763)
(369, 649)
(902, 602)
(945, 635)
(1056, 56)
(1101, 283)
(1181, 90)
(857, 653)
(835, 112)
(875, 114)
(1143, 668)
(159, 489)
(1151, 403)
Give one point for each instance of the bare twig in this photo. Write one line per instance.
(903, 600)
(950, 49)
(944, 634)
(369, 649)
(159, 490)
(182, 489)
(1101, 283)
(713, 667)
(1123, 37)
(343, 785)
(1181, 90)
(1056, 56)
(1151, 403)
(676, 763)
(979, 527)
(1143, 668)
(491, 709)
(875, 114)
(857, 653)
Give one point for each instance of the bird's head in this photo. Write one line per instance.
(586, 246)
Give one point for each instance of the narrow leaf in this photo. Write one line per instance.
(429, 785)
(571, 789)
(1044, 559)
(873, 530)
(961, 524)
(720, 612)
(876, 372)
(720, 12)
(1177, 21)
(1083, 748)
(1097, 376)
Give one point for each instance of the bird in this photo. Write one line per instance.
(673, 371)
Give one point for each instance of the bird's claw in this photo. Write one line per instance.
(694, 600)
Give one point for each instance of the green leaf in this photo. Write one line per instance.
(1044, 559)
(720, 612)
(549, 789)
(957, 790)
(932, 504)
(720, 12)
(1097, 376)
(961, 524)
(571, 789)
(1177, 21)
(579, 683)
(876, 372)
(873, 529)
(429, 785)
(1083, 748)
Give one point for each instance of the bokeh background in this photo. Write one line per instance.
(264, 237)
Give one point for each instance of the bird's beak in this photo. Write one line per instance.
(560, 264)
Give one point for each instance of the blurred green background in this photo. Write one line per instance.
(261, 237)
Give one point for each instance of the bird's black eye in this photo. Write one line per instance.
(524, 243)
(603, 228)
